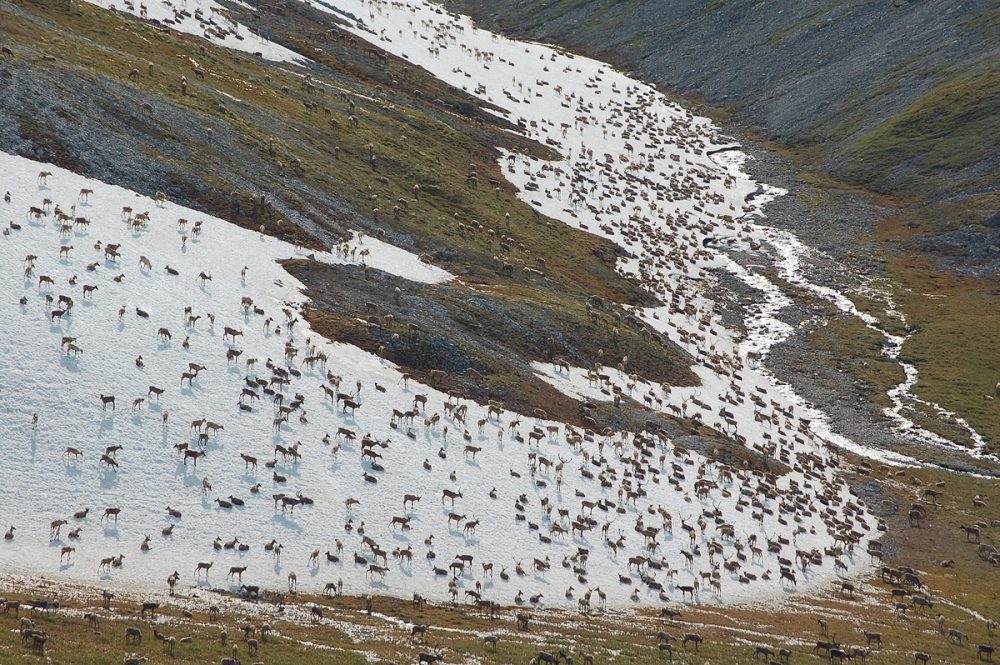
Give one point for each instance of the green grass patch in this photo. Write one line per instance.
(950, 127)
(954, 345)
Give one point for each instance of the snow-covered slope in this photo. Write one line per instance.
(207, 19)
(624, 145)
(659, 181)
(629, 484)
(558, 513)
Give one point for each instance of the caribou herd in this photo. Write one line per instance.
(629, 515)
(589, 514)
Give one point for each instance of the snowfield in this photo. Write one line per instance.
(542, 513)
(681, 501)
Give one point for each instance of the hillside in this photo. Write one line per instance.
(893, 96)
(196, 253)
(885, 115)
(433, 344)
